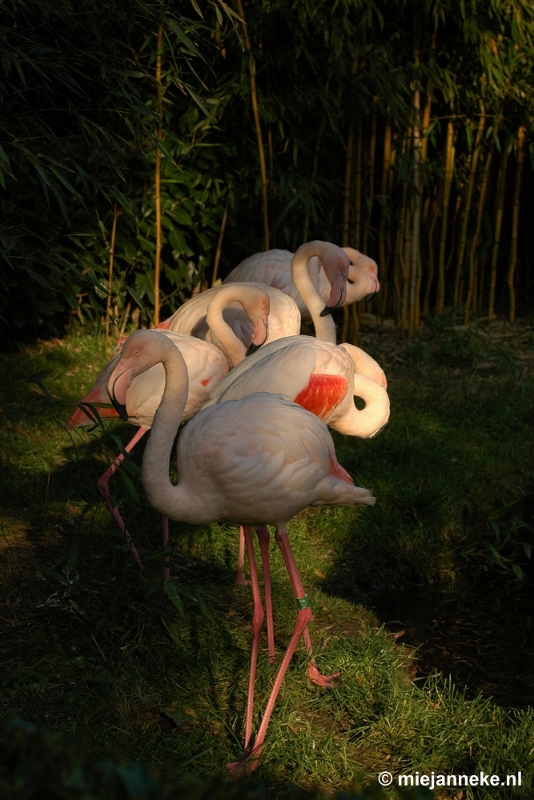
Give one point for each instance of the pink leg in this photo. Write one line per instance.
(240, 574)
(103, 488)
(304, 615)
(294, 576)
(264, 537)
(165, 526)
(257, 622)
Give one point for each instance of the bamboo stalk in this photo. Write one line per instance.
(467, 207)
(110, 272)
(157, 181)
(447, 183)
(315, 168)
(499, 205)
(430, 277)
(416, 227)
(348, 179)
(473, 263)
(219, 246)
(358, 182)
(257, 125)
(372, 157)
(346, 218)
(382, 267)
(515, 216)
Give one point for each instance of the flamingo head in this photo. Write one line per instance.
(363, 276)
(259, 314)
(136, 357)
(336, 265)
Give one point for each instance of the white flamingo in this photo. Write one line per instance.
(321, 377)
(206, 366)
(232, 318)
(284, 319)
(273, 267)
(257, 460)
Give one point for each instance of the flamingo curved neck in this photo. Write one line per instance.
(325, 327)
(163, 495)
(369, 421)
(233, 347)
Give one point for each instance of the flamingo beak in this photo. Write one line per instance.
(261, 333)
(337, 295)
(118, 384)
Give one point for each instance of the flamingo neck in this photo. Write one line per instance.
(161, 493)
(234, 349)
(325, 327)
(369, 421)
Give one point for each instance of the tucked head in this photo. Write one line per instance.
(336, 265)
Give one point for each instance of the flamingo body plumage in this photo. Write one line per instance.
(319, 376)
(273, 267)
(241, 308)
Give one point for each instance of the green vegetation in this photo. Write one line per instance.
(147, 148)
(94, 647)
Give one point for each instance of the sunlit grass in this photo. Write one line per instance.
(93, 646)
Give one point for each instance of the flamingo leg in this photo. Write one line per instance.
(257, 622)
(304, 615)
(103, 488)
(165, 528)
(298, 590)
(240, 574)
(264, 537)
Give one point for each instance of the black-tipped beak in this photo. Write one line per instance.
(252, 349)
(119, 408)
(370, 296)
(327, 310)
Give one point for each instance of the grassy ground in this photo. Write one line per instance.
(91, 645)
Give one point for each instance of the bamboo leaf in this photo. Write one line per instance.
(185, 39)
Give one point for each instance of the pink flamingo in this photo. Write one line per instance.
(229, 317)
(207, 361)
(284, 319)
(206, 365)
(257, 460)
(274, 267)
(321, 377)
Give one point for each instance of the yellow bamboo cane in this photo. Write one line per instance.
(471, 294)
(346, 216)
(372, 156)
(447, 183)
(382, 267)
(467, 207)
(157, 180)
(499, 205)
(257, 125)
(416, 227)
(520, 160)
(116, 213)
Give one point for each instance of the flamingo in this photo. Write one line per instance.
(257, 460)
(215, 315)
(209, 313)
(284, 319)
(273, 267)
(319, 376)
(206, 365)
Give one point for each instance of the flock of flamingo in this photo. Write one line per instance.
(259, 397)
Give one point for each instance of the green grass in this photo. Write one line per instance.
(94, 647)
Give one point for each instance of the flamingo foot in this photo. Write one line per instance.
(240, 578)
(324, 681)
(239, 769)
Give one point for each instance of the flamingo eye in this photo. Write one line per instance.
(349, 281)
